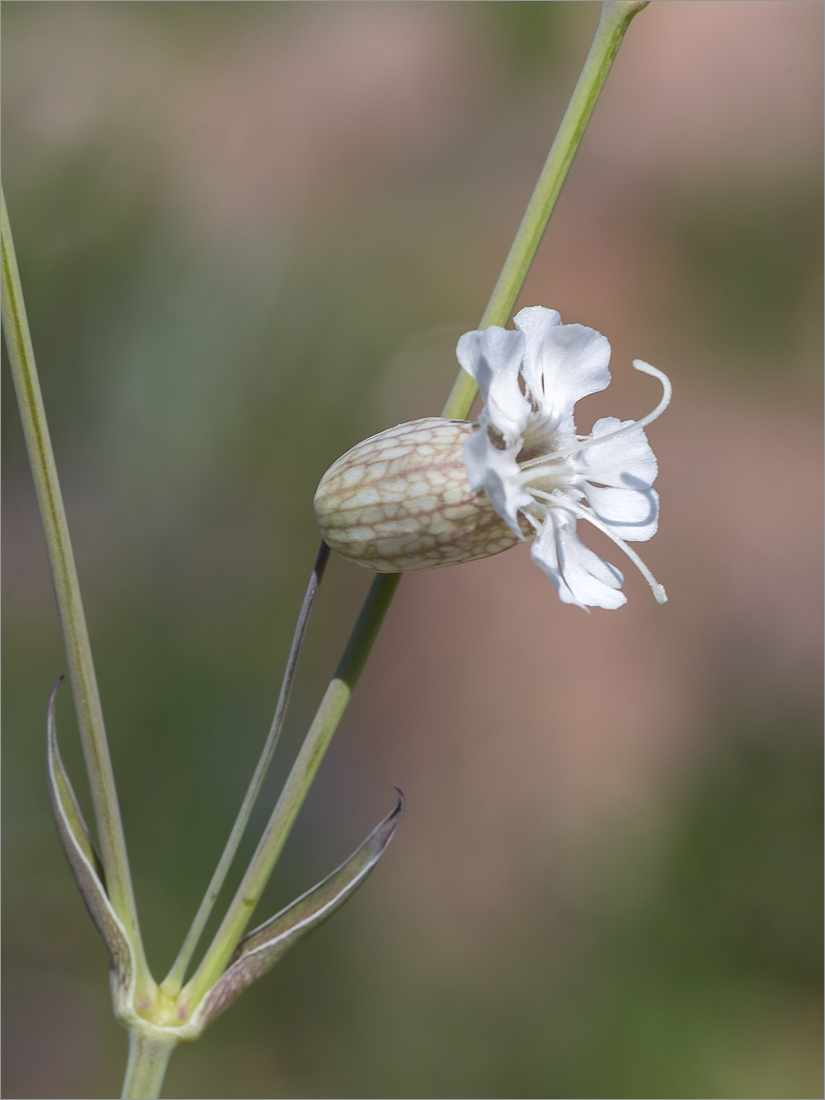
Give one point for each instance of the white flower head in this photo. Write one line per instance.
(541, 476)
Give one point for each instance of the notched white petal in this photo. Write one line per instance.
(631, 514)
(493, 357)
(563, 363)
(624, 461)
(496, 471)
(579, 575)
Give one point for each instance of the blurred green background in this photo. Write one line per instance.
(249, 236)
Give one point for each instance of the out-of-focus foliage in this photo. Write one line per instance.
(249, 236)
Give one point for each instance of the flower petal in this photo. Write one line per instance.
(562, 363)
(494, 356)
(496, 471)
(625, 461)
(631, 514)
(580, 576)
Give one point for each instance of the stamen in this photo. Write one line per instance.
(645, 368)
(657, 589)
(553, 456)
(588, 441)
(531, 519)
(545, 466)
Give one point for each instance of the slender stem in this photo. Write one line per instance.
(149, 1054)
(614, 20)
(297, 785)
(613, 23)
(174, 980)
(70, 606)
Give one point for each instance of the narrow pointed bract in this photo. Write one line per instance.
(86, 865)
(262, 948)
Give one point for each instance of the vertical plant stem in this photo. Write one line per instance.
(70, 606)
(613, 22)
(149, 1054)
(174, 980)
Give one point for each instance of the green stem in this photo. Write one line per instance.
(614, 20)
(70, 606)
(613, 23)
(149, 1054)
(174, 980)
(295, 790)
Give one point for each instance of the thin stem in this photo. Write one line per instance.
(174, 980)
(317, 740)
(70, 606)
(613, 23)
(149, 1054)
(614, 20)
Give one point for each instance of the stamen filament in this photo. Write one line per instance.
(657, 589)
(645, 368)
(589, 441)
(548, 468)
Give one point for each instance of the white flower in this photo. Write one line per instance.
(540, 475)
